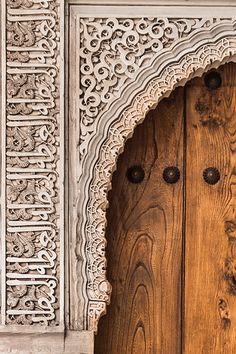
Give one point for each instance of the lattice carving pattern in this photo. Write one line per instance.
(113, 50)
(32, 162)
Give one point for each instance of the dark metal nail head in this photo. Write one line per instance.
(213, 80)
(211, 175)
(171, 174)
(135, 174)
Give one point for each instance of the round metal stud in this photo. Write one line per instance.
(213, 80)
(211, 175)
(135, 174)
(171, 174)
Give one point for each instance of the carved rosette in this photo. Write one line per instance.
(162, 53)
(32, 163)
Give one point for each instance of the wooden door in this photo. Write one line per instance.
(171, 246)
(210, 223)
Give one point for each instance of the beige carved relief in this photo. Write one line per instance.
(112, 53)
(32, 162)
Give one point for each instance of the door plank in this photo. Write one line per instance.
(210, 250)
(144, 235)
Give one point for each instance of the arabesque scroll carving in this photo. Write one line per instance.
(112, 53)
(189, 53)
(32, 163)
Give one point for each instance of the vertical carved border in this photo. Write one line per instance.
(3, 163)
(32, 164)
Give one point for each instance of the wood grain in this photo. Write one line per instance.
(210, 253)
(144, 236)
(158, 305)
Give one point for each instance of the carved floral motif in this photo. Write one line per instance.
(32, 162)
(112, 52)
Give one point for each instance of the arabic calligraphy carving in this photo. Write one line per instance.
(32, 163)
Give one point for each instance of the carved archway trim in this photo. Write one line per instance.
(202, 50)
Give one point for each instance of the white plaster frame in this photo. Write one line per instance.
(90, 178)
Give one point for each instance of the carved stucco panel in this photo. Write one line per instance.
(112, 53)
(32, 158)
(106, 125)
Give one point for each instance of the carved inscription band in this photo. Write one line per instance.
(31, 165)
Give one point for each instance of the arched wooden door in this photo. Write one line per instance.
(172, 238)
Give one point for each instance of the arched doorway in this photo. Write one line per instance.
(171, 241)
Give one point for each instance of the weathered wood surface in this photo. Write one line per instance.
(210, 244)
(144, 241)
(172, 293)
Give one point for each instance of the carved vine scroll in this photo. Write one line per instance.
(114, 50)
(127, 67)
(32, 161)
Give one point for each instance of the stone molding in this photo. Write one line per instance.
(32, 165)
(71, 342)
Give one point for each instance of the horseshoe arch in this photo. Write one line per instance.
(203, 48)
